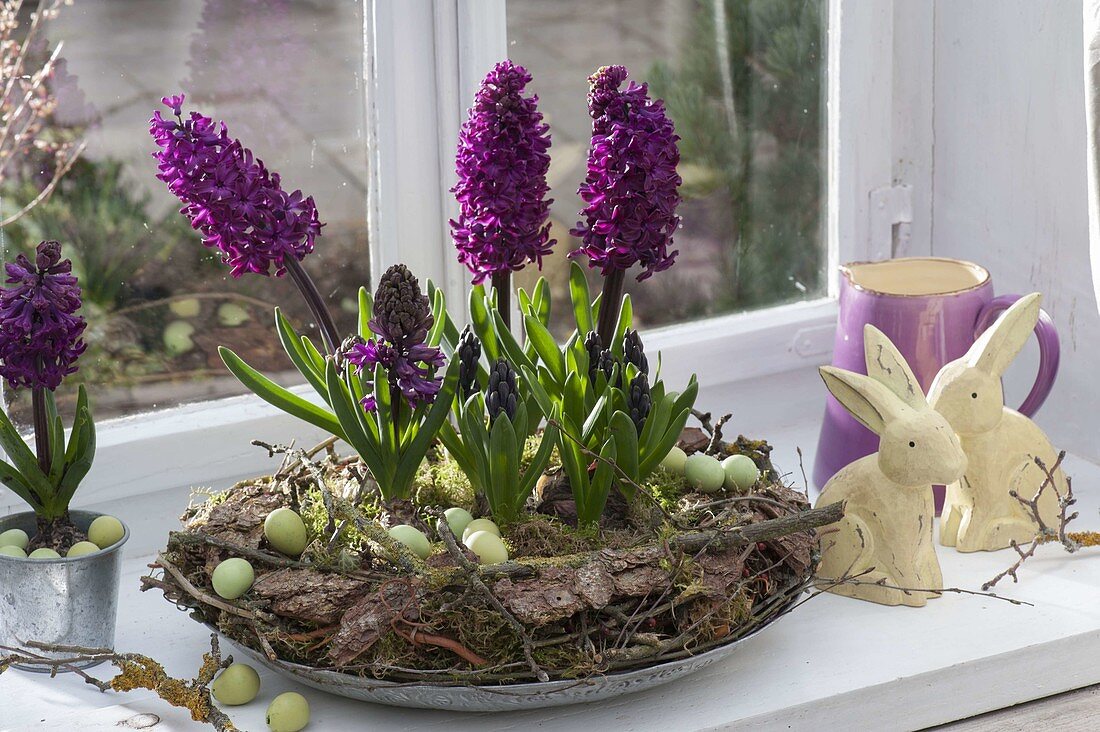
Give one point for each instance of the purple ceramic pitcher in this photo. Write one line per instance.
(932, 309)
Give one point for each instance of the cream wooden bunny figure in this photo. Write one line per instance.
(1000, 443)
(887, 524)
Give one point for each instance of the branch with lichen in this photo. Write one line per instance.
(136, 671)
(1071, 541)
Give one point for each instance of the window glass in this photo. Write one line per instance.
(743, 81)
(286, 77)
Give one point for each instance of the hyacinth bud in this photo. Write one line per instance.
(501, 394)
(469, 352)
(633, 352)
(402, 314)
(347, 347)
(599, 359)
(638, 401)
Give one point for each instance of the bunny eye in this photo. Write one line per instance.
(912, 444)
(974, 395)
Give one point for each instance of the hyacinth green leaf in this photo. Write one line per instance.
(540, 461)
(657, 420)
(366, 305)
(595, 419)
(482, 320)
(590, 505)
(77, 469)
(671, 436)
(626, 320)
(383, 412)
(540, 395)
(503, 466)
(81, 419)
(581, 298)
(439, 314)
(686, 398)
(23, 459)
(540, 299)
(414, 453)
(449, 341)
(18, 485)
(508, 343)
(296, 351)
(524, 299)
(546, 347)
(55, 434)
(626, 443)
(347, 412)
(315, 358)
(277, 396)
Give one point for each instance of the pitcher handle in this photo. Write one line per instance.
(1050, 349)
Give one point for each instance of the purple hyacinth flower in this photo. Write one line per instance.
(230, 197)
(401, 320)
(501, 163)
(631, 190)
(40, 332)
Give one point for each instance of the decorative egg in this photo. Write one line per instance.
(232, 578)
(10, 550)
(105, 531)
(237, 684)
(177, 337)
(187, 308)
(479, 525)
(741, 472)
(81, 548)
(413, 538)
(704, 472)
(286, 531)
(675, 460)
(44, 553)
(288, 712)
(232, 315)
(488, 547)
(458, 519)
(15, 537)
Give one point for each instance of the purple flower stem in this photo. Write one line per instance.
(41, 428)
(609, 306)
(502, 283)
(316, 303)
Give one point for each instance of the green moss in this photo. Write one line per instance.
(441, 482)
(667, 487)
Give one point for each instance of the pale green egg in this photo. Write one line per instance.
(286, 531)
(188, 308)
(481, 524)
(704, 473)
(288, 712)
(81, 548)
(177, 337)
(232, 315)
(457, 519)
(232, 578)
(105, 531)
(413, 538)
(44, 553)
(10, 550)
(675, 460)
(741, 472)
(488, 547)
(238, 684)
(15, 537)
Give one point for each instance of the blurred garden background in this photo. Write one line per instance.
(743, 81)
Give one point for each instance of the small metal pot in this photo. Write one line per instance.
(61, 601)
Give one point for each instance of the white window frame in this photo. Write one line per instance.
(418, 87)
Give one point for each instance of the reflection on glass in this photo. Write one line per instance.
(743, 82)
(287, 78)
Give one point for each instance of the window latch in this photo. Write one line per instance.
(891, 221)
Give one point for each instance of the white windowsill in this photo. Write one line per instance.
(834, 663)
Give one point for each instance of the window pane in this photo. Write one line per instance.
(286, 77)
(743, 81)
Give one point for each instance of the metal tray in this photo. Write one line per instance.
(505, 697)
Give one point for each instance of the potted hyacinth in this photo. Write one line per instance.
(492, 507)
(59, 567)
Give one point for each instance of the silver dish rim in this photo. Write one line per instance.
(503, 697)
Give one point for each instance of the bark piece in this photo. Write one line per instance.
(308, 595)
(367, 620)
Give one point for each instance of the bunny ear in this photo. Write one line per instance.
(886, 365)
(1002, 341)
(870, 402)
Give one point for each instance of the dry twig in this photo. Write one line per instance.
(136, 671)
